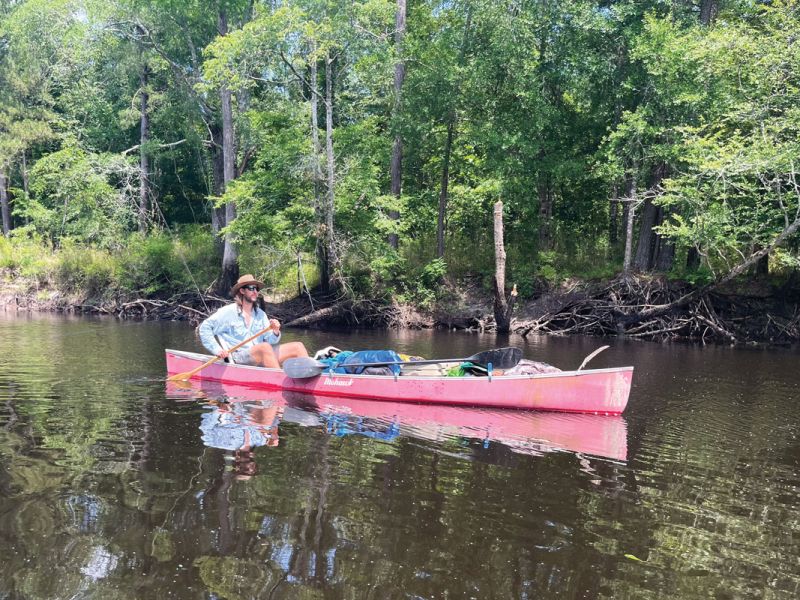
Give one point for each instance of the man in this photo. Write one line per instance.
(236, 322)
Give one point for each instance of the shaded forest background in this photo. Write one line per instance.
(155, 147)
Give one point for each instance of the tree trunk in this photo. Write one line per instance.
(24, 171)
(441, 221)
(144, 159)
(708, 11)
(217, 187)
(230, 254)
(665, 247)
(692, 259)
(318, 179)
(545, 215)
(630, 202)
(652, 216)
(443, 192)
(626, 206)
(397, 146)
(330, 198)
(502, 307)
(4, 204)
(762, 267)
(613, 219)
(643, 259)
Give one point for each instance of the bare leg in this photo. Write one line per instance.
(291, 350)
(269, 356)
(263, 355)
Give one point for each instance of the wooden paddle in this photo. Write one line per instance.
(500, 358)
(188, 374)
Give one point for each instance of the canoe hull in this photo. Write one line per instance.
(598, 391)
(525, 432)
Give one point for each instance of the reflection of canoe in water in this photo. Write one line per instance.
(523, 431)
(600, 391)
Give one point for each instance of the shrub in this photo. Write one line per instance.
(81, 269)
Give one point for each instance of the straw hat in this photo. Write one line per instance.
(245, 280)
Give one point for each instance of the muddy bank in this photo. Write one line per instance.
(641, 307)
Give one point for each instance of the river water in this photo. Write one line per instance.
(116, 485)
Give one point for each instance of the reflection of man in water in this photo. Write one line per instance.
(240, 427)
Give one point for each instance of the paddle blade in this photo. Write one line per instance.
(179, 377)
(501, 358)
(303, 367)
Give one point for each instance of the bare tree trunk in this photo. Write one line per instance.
(397, 147)
(545, 215)
(665, 247)
(643, 259)
(708, 11)
(144, 159)
(502, 307)
(24, 171)
(230, 254)
(330, 198)
(762, 267)
(631, 204)
(692, 259)
(650, 241)
(4, 203)
(319, 184)
(443, 192)
(441, 221)
(613, 225)
(613, 218)
(217, 187)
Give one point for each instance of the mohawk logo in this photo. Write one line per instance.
(338, 382)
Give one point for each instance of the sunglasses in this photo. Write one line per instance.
(250, 288)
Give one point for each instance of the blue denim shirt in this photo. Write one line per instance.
(228, 325)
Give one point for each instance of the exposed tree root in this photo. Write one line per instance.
(649, 308)
(337, 312)
(636, 307)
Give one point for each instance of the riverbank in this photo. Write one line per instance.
(638, 307)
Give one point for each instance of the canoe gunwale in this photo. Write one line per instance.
(204, 357)
(593, 391)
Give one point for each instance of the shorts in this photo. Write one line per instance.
(242, 357)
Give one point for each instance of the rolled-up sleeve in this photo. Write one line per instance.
(208, 329)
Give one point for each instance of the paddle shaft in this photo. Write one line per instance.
(502, 358)
(406, 362)
(188, 374)
(591, 356)
(482, 359)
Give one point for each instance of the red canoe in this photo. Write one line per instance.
(596, 391)
(526, 432)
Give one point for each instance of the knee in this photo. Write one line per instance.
(264, 354)
(263, 350)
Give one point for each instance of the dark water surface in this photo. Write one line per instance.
(115, 485)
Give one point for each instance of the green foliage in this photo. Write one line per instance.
(548, 107)
(72, 196)
(161, 264)
(423, 287)
(546, 268)
(155, 265)
(737, 192)
(28, 256)
(87, 270)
